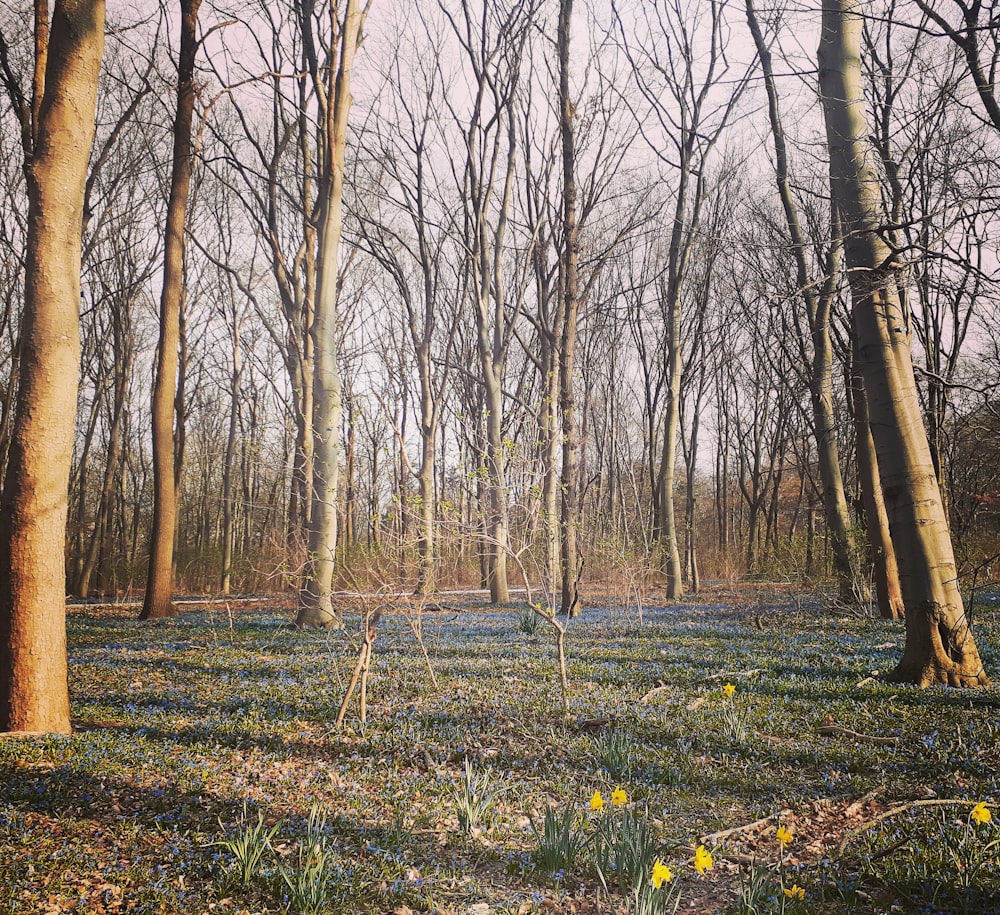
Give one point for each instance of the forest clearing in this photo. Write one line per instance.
(670, 326)
(188, 731)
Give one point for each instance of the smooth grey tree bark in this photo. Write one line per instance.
(939, 646)
(333, 88)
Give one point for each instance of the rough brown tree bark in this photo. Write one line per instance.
(939, 644)
(158, 602)
(34, 694)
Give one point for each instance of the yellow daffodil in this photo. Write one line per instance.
(784, 836)
(661, 874)
(618, 797)
(981, 813)
(795, 892)
(703, 860)
(596, 801)
(729, 689)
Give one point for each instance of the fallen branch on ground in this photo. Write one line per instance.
(896, 811)
(832, 730)
(728, 675)
(726, 833)
(655, 691)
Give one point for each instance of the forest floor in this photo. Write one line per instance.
(202, 745)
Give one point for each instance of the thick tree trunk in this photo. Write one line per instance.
(157, 602)
(569, 508)
(34, 693)
(939, 644)
(316, 607)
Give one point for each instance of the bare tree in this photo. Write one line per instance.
(680, 67)
(492, 46)
(817, 293)
(939, 643)
(569, 515)
(157, 602)
(939, 174)
(34, 694)
(332, 84)
(404, 225)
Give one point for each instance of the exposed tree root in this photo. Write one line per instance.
(932, 674)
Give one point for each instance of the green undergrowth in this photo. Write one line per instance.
(206, 773)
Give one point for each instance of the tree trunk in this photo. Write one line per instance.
(80, 486)
(228, 499)
(939, 644)
(122, 366)
(34, 694)
(671, 421)
(315, 607)
(569, 510)
(299, 503)
(550, 460)
(157, 602)
(496, 491)
(883, 556)
(350, 495)
(425, 477)
(818, 308)
(691, 495)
